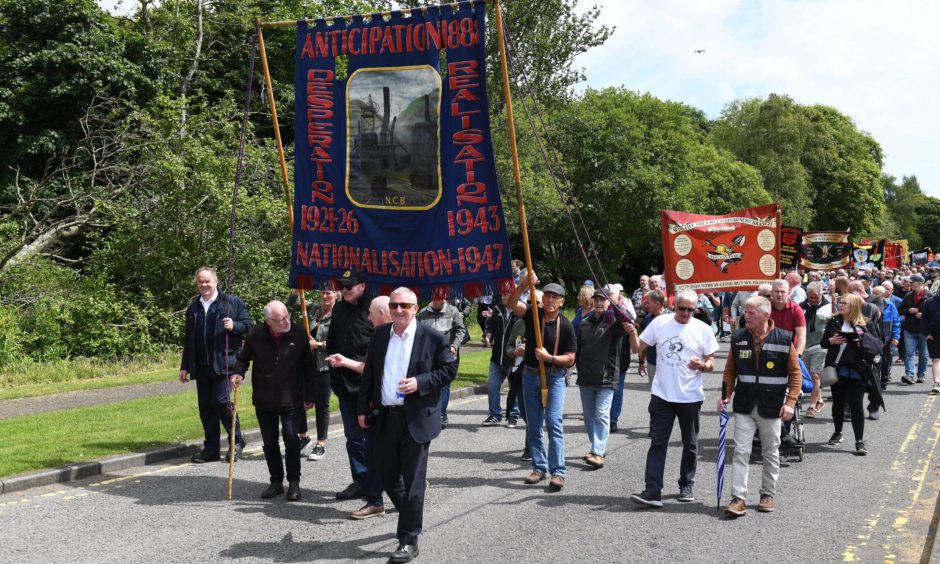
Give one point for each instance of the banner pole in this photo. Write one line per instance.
(518, 181)
(280, 153)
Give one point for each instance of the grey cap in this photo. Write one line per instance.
(557, 289)
(601, 293)
(917, 278)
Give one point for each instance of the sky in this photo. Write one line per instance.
(875, 61)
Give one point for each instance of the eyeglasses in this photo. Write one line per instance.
(402, 305)
(687, 309)
(279, 319)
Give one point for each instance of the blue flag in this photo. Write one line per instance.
(394, 172)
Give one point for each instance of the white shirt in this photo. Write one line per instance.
(206, 304)
(676, 344)
(397, 358)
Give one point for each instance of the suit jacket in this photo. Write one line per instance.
(431, 364)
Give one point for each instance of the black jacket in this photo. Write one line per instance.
(350, 334)
(599, 345)
(854, 357)
(499, 327)
(226, 305)
(282, 376)
(911, 322)
(431, 364)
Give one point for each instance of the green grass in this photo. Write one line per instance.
(32, 379)
(32, 442)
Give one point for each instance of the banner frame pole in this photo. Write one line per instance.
(280, 153)
(518, 181)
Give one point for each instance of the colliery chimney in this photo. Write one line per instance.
(386, 110)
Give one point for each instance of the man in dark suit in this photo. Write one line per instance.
(400, 403)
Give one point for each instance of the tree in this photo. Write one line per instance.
(902, 201)
(928, 223)
(629, 155)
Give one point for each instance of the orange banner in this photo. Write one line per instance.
(709, 253)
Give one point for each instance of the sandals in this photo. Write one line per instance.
(815, 410)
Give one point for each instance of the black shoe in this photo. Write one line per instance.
(835, 439)
(352, 491)
(239, 447)
(404, 553)
(920, 379)
(202, 457)
(512, 423)
(647, 499)
(275, 489)
(490, 421)
(906, 379)
(526, 454)
(443, 426)
(685, 493)
(613, 428)
(293, 491)
(860, 448)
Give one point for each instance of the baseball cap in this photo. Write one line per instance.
(917, 278)
(351, 278)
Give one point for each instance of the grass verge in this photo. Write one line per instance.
(32, 379)
(33, 442)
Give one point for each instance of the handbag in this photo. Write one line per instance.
(829, 376)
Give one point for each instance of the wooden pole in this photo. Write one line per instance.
(280, 153)
(231, 446)
(518, 180)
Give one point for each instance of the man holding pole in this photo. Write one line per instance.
(215, 324)
(763, 372)
(283, 377)
(556, 355)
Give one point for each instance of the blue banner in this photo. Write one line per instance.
(394, 172)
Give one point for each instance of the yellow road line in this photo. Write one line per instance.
(899, 469)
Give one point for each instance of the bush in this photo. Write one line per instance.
(55, 313)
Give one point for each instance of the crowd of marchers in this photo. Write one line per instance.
(390, 362)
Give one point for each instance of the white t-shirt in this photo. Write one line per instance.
(676, 344)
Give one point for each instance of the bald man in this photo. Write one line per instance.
(283, 377)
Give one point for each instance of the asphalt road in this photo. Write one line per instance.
(831, 507)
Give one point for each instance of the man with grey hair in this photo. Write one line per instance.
(763, 374)
(283, 377)
(216, 323)
(797, 294)
(407, 366)
(817, 312)
(685, 347)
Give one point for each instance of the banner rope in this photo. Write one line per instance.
(565, 194)
(239, 169)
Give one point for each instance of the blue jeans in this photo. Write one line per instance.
(549, 416)
(358, 449)
(915, 343)
(445, 399)
(595, 401)
(616, 403)
(494, 382)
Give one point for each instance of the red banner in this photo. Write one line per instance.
(710, 253)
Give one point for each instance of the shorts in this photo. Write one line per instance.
(815, 359)
(933, 347)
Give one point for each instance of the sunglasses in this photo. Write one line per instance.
(688, 309)
(399, 305)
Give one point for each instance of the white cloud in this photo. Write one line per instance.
(873, 60)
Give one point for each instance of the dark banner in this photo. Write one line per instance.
(826, 250)
(735, 251)
(790, 239)
(394, 172)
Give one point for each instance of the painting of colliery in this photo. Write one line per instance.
(393, 145)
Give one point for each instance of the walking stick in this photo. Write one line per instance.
(231, 446)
